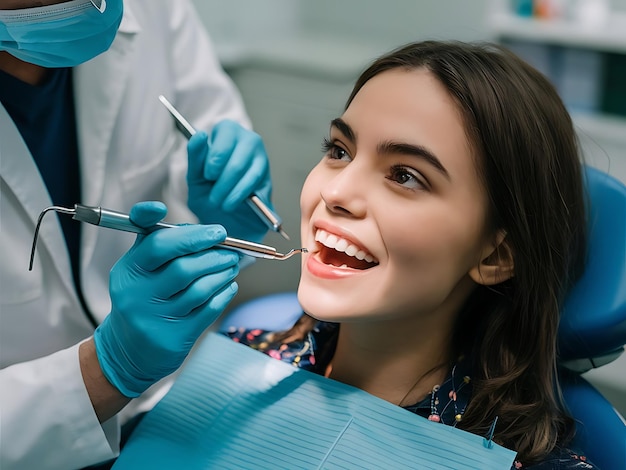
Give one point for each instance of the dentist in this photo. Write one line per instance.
(82, 342)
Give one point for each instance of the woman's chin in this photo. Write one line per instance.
(324, 305)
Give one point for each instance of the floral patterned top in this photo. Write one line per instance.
(445, 404)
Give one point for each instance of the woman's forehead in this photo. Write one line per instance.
(402, 94)
(409, 105)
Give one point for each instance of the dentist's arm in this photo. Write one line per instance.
(106, 400)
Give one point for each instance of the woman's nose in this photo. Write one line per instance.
(346, 192)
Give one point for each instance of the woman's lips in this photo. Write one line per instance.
(328, 271)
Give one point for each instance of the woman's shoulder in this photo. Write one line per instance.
(559, 459)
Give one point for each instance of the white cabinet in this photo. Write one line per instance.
(582, 48)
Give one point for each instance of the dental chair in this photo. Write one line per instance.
(592, 332)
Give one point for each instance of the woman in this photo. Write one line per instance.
(444, 225)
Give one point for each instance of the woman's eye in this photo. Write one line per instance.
(334, 152)
(407, 177)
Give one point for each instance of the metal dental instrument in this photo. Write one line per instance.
(272, 220)
(120, 221)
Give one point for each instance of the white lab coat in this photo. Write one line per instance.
(129, 152)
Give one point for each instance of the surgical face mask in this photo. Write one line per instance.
(62, 35)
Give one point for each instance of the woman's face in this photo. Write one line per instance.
(394, 215)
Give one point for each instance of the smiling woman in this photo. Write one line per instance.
(401, 184)
(444, 225)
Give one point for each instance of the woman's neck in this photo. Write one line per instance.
(24, 71)
(401, 366)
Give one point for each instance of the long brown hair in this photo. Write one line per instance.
(526, 152)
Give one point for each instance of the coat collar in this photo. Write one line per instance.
(99, 87)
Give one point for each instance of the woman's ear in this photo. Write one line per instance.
(496, 264)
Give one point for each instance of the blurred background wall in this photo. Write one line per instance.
(295, 61)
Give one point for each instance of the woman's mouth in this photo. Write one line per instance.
(339, 252)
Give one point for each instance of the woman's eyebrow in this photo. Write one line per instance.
(344, 128)
(414, 150)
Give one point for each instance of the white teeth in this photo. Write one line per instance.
(342, 245)
(351, 250)
(331, 241)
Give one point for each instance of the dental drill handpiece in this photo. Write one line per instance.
(120, 221)
(271, 219)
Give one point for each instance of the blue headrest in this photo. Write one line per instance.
(592, 331)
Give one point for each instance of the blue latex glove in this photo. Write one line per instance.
(165, 291)
(223, 172)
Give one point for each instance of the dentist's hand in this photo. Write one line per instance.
(224, 170)
(165, 291)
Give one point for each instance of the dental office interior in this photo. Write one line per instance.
(294, 62)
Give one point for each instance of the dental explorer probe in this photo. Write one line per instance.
(119, 221)
(272, 220)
